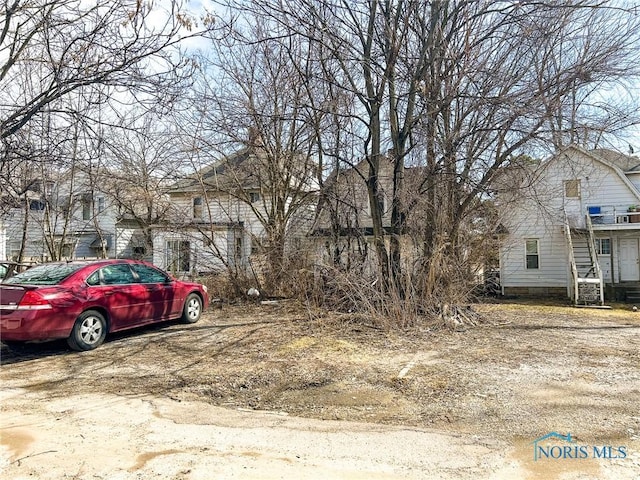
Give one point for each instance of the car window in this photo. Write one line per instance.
(119, 274)
(147, 274)
(94, 278)
(45, 274)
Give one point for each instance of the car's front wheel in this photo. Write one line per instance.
(192, 309)
(88, 332)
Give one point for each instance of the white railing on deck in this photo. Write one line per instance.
(612, 214)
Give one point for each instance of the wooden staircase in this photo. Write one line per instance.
(587, 285)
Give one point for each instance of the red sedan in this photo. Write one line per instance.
(82, 301)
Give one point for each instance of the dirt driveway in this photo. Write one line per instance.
(223, 399)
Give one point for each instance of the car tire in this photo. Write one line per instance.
(88, 332)
(192, 309)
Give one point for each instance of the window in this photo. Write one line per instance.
(49, 187)
(197, 207)
(139, 251)
(381, 204)
(94, 278)
(254, 197)
(533, 258)
(572, 188)
(14, 250)
(603, 246)
(380, 201)
(100, 201)
(119, 274)
(256, 245)
(239, 247)
(86, 206)
(36, 205)
(148, 274)
(45, 274)
(64, 248)
(178, 255)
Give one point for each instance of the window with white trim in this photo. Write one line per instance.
(603, 246)
(532, 249)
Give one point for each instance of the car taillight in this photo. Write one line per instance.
(33, 301)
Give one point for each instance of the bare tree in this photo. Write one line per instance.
(71, 71)
(257, 114)
(138, 164)
(467, 85)
(70, 44)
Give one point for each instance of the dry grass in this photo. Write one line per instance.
(526, 369)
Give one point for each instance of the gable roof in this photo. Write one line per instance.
(251, 169)
(230, 172)
(614, 160)
(626, 163)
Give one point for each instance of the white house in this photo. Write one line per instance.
(65, 216)
(220, 215)
(573, 230)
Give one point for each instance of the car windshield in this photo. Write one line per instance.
(46, 274)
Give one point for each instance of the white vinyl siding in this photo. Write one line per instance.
(540, 215)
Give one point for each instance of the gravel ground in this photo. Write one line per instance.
(525, 371)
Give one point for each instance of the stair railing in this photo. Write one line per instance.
(572, 260)
(593, 253)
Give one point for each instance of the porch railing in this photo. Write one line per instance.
(613, 214)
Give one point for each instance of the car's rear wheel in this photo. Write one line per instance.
(88, 332)
(192, 309)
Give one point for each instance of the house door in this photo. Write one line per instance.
(629, 268)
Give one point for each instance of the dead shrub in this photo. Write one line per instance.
(414, 300)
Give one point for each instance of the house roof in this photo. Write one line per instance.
(626, 163)
(247, 169)
(233, 171)
(602, 156)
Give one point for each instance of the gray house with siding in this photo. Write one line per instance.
(66, 217)
(574, 231)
